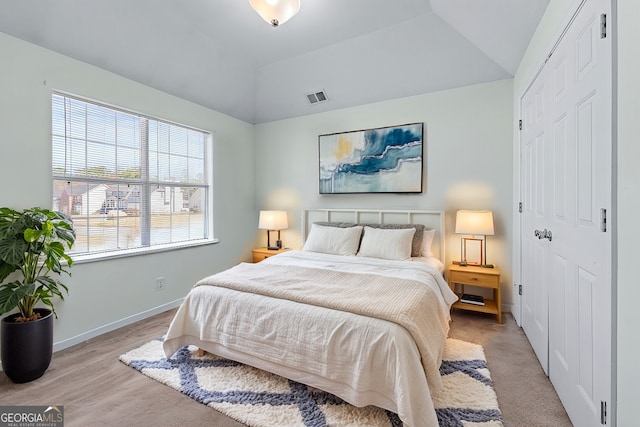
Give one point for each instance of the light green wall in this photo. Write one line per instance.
(111, 293)
(468, 162)
(623, 26)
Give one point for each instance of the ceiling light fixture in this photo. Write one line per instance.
(276, 12)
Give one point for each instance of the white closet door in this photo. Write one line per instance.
(580, 263)
(566, 193)
(534, 301)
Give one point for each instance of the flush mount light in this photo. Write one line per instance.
(276, 12)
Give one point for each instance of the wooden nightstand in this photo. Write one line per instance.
(477, 277)
(263, 253)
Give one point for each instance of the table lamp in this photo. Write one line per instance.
(273, 221)
(475, 223)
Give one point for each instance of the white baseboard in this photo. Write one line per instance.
(61, 345)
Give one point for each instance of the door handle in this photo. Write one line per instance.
(543, 234)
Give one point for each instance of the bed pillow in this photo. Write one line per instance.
(416, 242)
(387, 243)
(333, 240)
(417, 246)
(427, 240)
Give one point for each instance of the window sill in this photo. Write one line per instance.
(87, 258)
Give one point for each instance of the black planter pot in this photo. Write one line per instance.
(27, 347)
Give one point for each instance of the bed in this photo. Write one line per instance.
(362, 311)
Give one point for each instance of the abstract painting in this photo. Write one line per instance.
(381, 160)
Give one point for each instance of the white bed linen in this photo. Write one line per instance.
(365, 361)
(432, 261)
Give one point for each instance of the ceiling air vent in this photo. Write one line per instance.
(317, 97)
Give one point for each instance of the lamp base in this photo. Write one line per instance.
(487, 265)
(278, 245)
(461, 263)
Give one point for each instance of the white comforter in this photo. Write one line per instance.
(364, 360)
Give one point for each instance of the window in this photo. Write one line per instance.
(128, 181)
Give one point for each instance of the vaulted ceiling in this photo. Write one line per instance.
(222, 55)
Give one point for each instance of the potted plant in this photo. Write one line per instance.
(32, 247)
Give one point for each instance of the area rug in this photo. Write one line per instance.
(261, 399)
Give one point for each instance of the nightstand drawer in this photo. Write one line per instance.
(473, 278)
(257, 257)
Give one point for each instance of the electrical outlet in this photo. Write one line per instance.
(160, 283)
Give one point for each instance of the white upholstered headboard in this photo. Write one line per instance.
(430, 218)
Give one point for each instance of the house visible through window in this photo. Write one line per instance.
(127, 180)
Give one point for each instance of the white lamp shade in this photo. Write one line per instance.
(474, 222)
(273, 220)
(276, 12)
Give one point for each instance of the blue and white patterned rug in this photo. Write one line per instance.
(261, 399)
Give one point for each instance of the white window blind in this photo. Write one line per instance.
(127, 180)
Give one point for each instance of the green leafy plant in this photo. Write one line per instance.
(33, 242)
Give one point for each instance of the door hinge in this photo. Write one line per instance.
(520, 124)
(520, 207)
(519, 289)
(603, 26)
(603, 220)
(603, 412)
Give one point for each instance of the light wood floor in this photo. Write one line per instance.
(96, 389)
